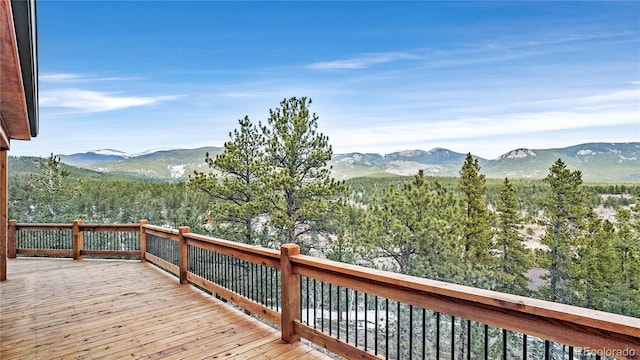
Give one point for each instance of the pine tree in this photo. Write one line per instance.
(53, 191)
(512, 257)
(297, 155)
(477, 223)
(412, 226)
(627, 246)
(596, 278)
(236, 184)
(565, 212)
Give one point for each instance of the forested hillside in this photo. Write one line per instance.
(596, 162)
(271, 185)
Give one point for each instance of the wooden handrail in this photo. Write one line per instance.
(566, 324)
(570, 325)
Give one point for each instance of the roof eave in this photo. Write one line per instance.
(24, 15)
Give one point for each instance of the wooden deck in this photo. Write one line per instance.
(91, 309)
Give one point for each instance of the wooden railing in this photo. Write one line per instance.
(353, 311)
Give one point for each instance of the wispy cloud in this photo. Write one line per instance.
(596, 113)
(362, 61)
(95, 101)
(67, 78)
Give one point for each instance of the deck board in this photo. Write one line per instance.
(91, 309)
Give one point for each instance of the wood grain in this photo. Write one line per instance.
(62, 309)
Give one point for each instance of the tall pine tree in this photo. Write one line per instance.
(565, 212)
(412, 226)
(512, 260)
(477, 224)
(300, 178)
(236, 184)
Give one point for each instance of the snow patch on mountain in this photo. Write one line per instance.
(108, 152)
(403, 167)
(409, 153)
(151, 151)
(176, 170)
(439, 150)
(518, 154)
(353, 159)
(586, 152)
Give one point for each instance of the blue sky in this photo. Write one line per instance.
(480, 77)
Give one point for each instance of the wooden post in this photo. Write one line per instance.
(290, 290)
(4, 212)
(13, 239)
(78, 240)
(143, 241)
(184, 253)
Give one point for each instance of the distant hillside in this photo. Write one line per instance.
(161, 165)
(24, 165)
(597, 161)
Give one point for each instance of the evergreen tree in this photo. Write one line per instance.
(512, 261)
(627, 247)
(53, 192)
(348, 233)
(596, 277)
(565, 212)
(236, 183)
(297, 155)
(477, 224)
(414, 227)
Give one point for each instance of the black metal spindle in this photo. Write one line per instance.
(386, 338)
(410, 332)
(339, 315)
(347, 310)
(453, 335)
(468, 339)
(366, 323)
(315, 303)
(524, 347)
(437, 335)
(356, 326)
(398, 330)
(322, 305)
(547, 350)
(330, 310)
(307, 296)
(504, 344)
(376, 327)
(424, 333)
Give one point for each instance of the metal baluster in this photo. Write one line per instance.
(547, 350)
(410, 332)
(346, 307)
(356, 327)
(376, 327)
(398, 330)
(453, 335)
(437, 335)
(330, 310)
(386, 346)
(322, 305)
(504, 344)
(366, 323)
(468, 339)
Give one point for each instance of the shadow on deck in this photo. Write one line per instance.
(91, 309)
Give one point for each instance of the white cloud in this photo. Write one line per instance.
(470, 129)
(363, 61)
(95, 101)
(66, 78)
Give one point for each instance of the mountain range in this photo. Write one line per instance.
(619, 162)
